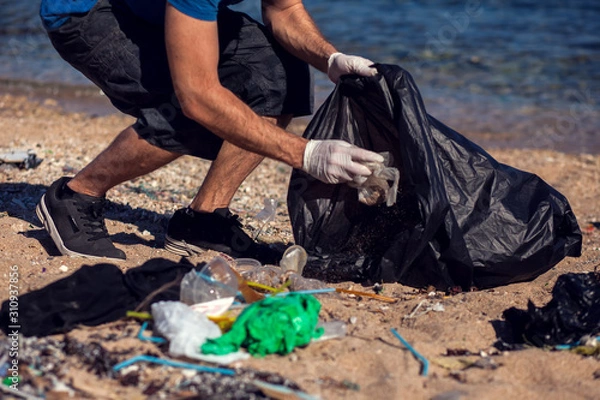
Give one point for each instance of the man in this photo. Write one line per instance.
(201, 80)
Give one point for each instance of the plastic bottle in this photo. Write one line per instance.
(294, 259)
(216, 280)
(266, 215)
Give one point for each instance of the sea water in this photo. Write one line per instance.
(518, 73)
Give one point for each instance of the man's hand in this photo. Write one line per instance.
(336, 161)
(341, 64)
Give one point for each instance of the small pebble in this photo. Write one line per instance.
(353, 320)
(63, 268)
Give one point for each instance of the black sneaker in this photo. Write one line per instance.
(191, 232)
(75, 222)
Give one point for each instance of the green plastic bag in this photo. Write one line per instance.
(272, 325)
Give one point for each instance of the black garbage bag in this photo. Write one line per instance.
(572, 313)
(461, 218)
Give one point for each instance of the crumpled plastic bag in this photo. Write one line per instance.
(460, 218)
(573, 312)
(187, 330)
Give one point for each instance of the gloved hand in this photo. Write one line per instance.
(336, 161)
(341, 64)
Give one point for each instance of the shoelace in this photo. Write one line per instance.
(92, 217)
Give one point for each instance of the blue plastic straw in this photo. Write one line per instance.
(153, 339)
(423, 360)
(171, 363)
(572, 345)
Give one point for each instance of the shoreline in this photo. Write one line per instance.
(90, 100)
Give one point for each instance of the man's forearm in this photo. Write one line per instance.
(295, 30)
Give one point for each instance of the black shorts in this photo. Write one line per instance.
(126, 57)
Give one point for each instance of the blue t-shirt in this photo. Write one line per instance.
(55, 13)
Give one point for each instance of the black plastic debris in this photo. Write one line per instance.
(461, 218)
(572, 313)
(93, 295)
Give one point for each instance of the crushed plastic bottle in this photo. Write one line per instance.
(269, 276)
(245, 264)
(375, 188)
(332, 330)
(216, 280)
(298, 282)
(266, 215)
(294, 259)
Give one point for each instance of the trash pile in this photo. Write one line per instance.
(202, 317)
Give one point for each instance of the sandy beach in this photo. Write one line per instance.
(369, 363)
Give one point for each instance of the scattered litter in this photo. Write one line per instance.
(423, 360)
(187, 330)
(279, 392)
(139, 315)
(266, 215)
(366, 294)
(572, 313)
(378, 288)
(153, 339)
(273, 325)
(171, 363)
(294, 259)
(216, 280)
(332, 330)
(23, 159)
(452, 364)
(423, 308)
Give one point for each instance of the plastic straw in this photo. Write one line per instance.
(171, 363)
(261, 286)
(572, 345)
(365, 294)
(138, 315)
(423, 360)
(153, 339)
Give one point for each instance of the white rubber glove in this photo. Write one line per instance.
(341, 64)
(336, 161)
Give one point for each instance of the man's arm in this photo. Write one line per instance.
(193, 51)
(295, 30)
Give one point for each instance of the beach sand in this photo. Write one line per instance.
(369, 363)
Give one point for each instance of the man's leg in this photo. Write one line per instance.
(207, 223)
(126, 158)
(72, 210)
(227, 172)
